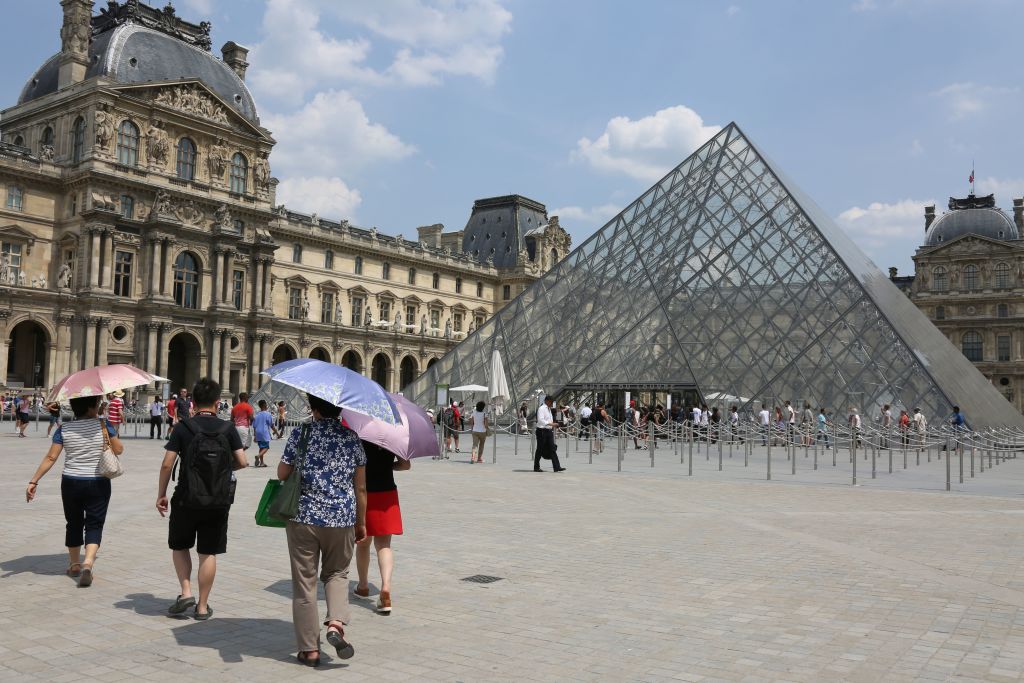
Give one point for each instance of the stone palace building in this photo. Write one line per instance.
(139, 225)
(969, 281)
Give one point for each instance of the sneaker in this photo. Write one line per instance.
(384, 603)
(363, 593)
(342, 647)
(560, 469)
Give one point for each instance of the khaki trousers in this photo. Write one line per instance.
(478, 443)
(332, 548)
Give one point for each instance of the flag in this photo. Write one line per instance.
(971, 179)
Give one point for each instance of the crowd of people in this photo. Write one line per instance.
(348, 500)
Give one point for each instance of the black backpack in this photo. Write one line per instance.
(449, 418)
(206, 467)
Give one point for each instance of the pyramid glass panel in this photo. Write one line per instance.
(725, 277)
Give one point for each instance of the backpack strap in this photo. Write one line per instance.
(187, 423)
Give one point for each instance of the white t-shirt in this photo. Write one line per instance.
(585, 413)
(764, 416)
(156, 409)
(792, 414)
(734, 417)
(478, 421)
(696, 414)
(920, 423)
(855, 420)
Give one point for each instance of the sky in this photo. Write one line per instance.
(400, 113)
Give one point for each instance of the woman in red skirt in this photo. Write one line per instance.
(383, 520)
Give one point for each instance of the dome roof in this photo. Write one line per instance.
(987, 222)
(134, 54)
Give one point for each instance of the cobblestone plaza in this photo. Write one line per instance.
(648, 574)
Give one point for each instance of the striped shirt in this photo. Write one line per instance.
(115, 411)
(83, 446)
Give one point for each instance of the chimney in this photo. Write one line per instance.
(892, 273)
(1018, 214)
(234, 56)
(430, 235)
(929, 216)
(75, 36)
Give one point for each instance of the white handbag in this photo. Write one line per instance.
(110, 464)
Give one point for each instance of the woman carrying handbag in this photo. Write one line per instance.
(90, 448)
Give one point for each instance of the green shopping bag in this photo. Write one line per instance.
(263, 516)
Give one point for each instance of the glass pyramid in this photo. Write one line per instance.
(724, 276)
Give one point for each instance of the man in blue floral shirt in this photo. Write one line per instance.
(330, 520)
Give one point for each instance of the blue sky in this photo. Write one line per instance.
(399, 113)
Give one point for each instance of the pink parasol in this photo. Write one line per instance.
(413, 438)
(101, 380)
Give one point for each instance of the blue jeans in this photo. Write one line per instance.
(85, 509)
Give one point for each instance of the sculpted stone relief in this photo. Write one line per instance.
(103, 124)
(193, 100)
(157, 144)
(261, 172)
(75, 33)
(217, 159)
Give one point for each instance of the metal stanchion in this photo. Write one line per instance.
(619, 447)
(718, 437)
(590, 458)
(791, 448)
(494, 446)
(768, 429)
(651, 443)
(515, 438)
(853, 452)
(962, 463)
(972, 461)
(947, 464)
(981, 463)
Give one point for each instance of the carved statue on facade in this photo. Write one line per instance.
(337, 313)
(368, 318)
(157, 145)
(448, 328)
(46, 152)
(217, 160)
(75, 33)
(5, 269)
(423, 324)
(192, 99)
(261, 172)
(162, 204)
(104, 126)
(222, 218)
(22, 279)
(305, 307)
(64, 277)
(954, 275)
(42, 281)
(398, 322)
(189, 213)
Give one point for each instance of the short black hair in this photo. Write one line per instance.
(80, 406)
(205, 392)
(956, 409)
(549, 397)
(262, 404)
(243, 397)
(480, 405)
(328, 410)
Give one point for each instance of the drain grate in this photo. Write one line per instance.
(482, 578)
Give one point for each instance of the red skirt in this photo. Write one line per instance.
(383, 516)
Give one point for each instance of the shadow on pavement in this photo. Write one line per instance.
(146, 604)
(45, 565)
(236, 638)
(283, 587)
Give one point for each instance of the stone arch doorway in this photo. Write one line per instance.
(407, 372)
(183, 361)
(381, 371)
(27, 362)
(282, 353)
(431, 362)
(320, 353)
(353, 361)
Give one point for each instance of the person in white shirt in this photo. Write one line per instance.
(854, 421)
(546, 447)
(734, 424)
(920, 426)
(585, 413)
(480, 424)
(886, 425)
(156, 416)
(791, 421)
(764, 418)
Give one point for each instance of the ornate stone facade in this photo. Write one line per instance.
(139, 225)
(969, 281)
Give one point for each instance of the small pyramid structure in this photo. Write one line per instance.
(726, 277)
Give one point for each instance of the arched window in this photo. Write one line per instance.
(1002, 311)
(296, 253)
(47, 138)
(479, 289)
(186, 167)
(970, 277)
(940, 279)
(412, 276)
(1002, 275)
(554, 258)
(458, 285)
(128, 144)
(940, 312)
(329, 259)
(359, 265)
(436, 281)
(19, 141)
(239, 173)
(971, 345)
(385, 271)
(186, 280)
(78, 140)
(127, 206)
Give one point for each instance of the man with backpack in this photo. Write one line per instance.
(450, 422)
(208, 450)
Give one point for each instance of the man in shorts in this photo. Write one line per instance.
(261, 426)
(22, 414)
(242, 416)
(204, 528)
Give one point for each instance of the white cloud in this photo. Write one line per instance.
(968, 99)
(578, 217)
(202, 9)
(329, 135)
(1005, 189)
(864, 5)
(648, 147)
(328, 197)
(732, 10)
(880, 224)
(916, 148)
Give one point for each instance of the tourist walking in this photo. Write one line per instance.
(599, 418)
(383, 520)
(854, 422)
(790, 422)
(242, 416)
(22, 406)
(886, 423)
(807, 425)
(823, 427)
(207, 450)
(115, 410)
(734, 425)
(156, 417)
(764, 418)
(547, 449)
(261, 426)
(172, 405)
(330, 520)
(84, 492)
(54, 410)
(523, 416)
(904, 426)
(715, 420)
(585, 413)
(185, 405)
(479, 424)
(920, 426)
(282, 413)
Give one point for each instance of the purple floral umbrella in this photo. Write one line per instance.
(337, 385)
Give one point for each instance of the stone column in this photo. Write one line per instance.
(167, 278)
(107, 240)
(89, 328)
(102, 339)
(225, 360)
(152, 359)
(265, 354)
(51, 376)
(75, 352)
(94, 257)
(268, 303)
(254, 283)
(226, 284)
(215, 275)
(155, 267)
(62, 366)
(3, 346)
(163, 346)
(215, 339)
(252, 359)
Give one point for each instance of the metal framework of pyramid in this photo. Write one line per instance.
(725, 276)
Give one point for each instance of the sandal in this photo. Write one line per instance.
(181, 606)
(72, 572)
(85, 579)
(308, 659)
(336, 637)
